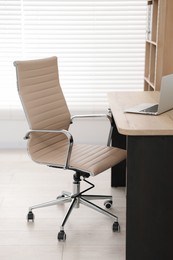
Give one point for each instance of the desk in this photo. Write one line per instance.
(149, 142)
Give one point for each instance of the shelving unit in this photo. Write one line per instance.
(159, 43)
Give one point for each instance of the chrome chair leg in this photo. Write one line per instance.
(51, 203)
(76, 198)
(97, 208)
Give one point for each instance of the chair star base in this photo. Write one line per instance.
(76, 198)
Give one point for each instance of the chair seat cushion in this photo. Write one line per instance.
(96, 159)
(92, 159)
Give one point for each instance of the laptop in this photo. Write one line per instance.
(165, 101)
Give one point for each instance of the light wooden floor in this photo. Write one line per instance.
(89, 234)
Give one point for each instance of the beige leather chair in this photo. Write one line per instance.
(51, 143)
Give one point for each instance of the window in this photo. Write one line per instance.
(100, 45)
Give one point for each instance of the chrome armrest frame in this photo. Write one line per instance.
(68, 135)
(109, 117)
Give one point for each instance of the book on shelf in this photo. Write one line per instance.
(149, 20)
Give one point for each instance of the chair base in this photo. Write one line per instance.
(76, 198)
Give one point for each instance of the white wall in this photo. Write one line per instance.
(84, 130)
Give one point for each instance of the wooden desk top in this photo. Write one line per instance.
(138, 124)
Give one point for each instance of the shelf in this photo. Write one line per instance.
(148, 85)
(151, 42)
(149, 20)
(159, 43)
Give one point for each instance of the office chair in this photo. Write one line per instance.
(51, 143)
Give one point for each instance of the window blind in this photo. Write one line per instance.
(100, 46)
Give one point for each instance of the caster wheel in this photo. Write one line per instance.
(59, 197)
(30, 216)
(61, 236)
(116, 227)
(108, 204)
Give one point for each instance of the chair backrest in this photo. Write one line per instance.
(41, 94)
(43, 101)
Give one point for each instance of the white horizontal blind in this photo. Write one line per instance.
(99, 43)
(10, 47)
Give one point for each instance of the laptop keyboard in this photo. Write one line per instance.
(153, 109)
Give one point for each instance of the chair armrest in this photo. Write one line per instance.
(109, 117)
(67, 133)
(92, 116)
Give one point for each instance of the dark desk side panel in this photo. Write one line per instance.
(150, 198)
